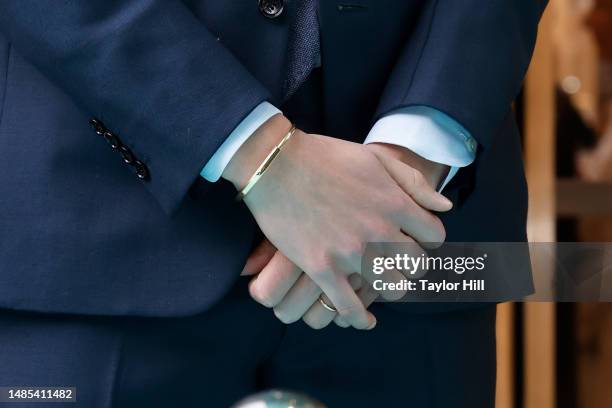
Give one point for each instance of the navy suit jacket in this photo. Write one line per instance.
(80, 233)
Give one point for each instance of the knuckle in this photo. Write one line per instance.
(314, 323)
(341, 323)
(354, 316)
(317, 264)
(381, 231)
(319, 268)
(393, 295)
(261, 295)
(284, 316)
(355, 247)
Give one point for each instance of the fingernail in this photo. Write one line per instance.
(373, 321)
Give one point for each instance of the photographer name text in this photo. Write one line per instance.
(425, 285)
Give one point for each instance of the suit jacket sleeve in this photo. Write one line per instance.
(149, 69)
(467, 59)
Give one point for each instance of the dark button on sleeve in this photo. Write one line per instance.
(271, 8)
(127, 155)
(112, 140)
(97, 125)
(141, 170)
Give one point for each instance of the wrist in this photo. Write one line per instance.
(245, 161)
(434, 172)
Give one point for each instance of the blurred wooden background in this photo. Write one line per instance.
(560, 355)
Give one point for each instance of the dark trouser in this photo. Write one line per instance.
(238, 347)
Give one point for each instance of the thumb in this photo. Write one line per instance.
(415, 185)
(258, 258)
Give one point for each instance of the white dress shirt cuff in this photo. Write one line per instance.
(214, 167)
(429, 133)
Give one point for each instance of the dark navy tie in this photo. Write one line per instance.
(304, 47)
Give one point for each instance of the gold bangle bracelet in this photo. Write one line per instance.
(265, 164)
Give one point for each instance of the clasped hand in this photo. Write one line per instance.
(319, 203)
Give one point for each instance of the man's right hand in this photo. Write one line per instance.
(323, 199)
